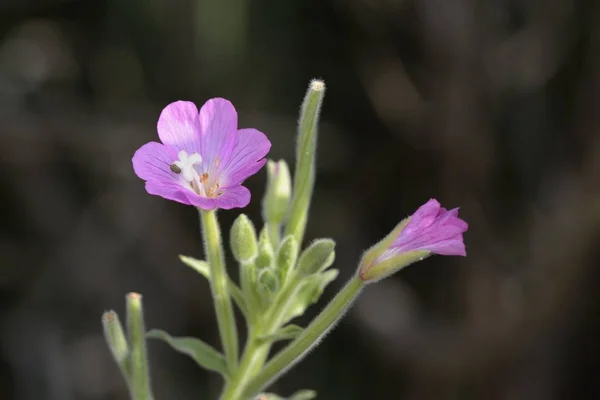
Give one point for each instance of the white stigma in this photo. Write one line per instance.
(186, 164)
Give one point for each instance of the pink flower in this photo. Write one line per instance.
(430, 230)
(203, 158)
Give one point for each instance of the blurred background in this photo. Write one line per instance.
(491, 106)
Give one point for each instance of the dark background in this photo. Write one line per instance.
(490, 105)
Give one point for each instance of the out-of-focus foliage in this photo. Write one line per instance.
(492, 106)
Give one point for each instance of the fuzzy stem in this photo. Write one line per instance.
(139, 379)
(255, 353)
(219, 287)
(310, 338)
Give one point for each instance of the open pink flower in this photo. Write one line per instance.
(430, 230)
(203, 158)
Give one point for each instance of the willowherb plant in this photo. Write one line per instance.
(202, 161)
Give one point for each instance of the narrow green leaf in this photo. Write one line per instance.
(203, 354)
(288, 332)
(202, 267)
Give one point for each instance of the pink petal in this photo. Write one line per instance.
(218, 127)
(423, 217)
(204, 203)
(178, 126)
(151, 163)
(233, 197)
(449, 247)
(247, 157)
(168, 191)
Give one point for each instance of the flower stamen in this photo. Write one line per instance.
(185, 164)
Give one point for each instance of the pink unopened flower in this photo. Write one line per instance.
(430, 230)
(203, 158)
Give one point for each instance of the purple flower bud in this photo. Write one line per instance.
(430, 230)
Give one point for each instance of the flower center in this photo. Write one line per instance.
(202, 183)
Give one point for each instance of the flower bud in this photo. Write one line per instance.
(243, 239)
(279, 190)
(287, 254)
(430, 230)
(115, 337)
(306, 149)
(317, 257)
(265, 250)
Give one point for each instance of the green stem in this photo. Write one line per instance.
(255, 354)
(139, 379)
(220, 288)
(311, 336)
(254, 357)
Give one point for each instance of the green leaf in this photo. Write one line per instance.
(200, 266)
(288, 332)
(303, 395)
(203, 354)
(203, 268)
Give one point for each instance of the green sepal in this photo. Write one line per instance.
(375, 251)
(203, 354)
(317, 257)
(242, 239)
(370, 270)
(203, 269)
(265, 250)
(383, 269)
(287, 332)
(287, 255)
